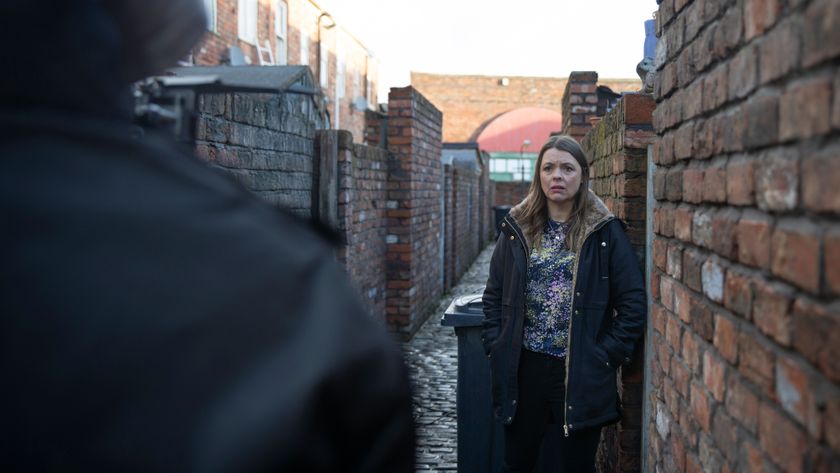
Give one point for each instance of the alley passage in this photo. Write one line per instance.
(432, 356)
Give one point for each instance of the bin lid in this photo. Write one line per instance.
(464, 311)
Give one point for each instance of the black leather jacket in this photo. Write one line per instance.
(608, 281)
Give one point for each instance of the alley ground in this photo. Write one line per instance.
(432, 356)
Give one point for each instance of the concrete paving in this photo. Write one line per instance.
(432, 356)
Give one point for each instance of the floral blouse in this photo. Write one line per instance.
(548, 295)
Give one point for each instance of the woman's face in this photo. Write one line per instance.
(560, 176)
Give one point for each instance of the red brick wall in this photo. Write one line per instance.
(580, 103)
(745, 374)
(414, 215)
(509, 193)
(617, 152)
(469, 101)
(363, 193)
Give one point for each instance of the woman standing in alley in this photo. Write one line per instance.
(564, 307)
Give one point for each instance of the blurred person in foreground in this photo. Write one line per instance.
(155, 315)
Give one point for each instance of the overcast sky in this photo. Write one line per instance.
(493, 37)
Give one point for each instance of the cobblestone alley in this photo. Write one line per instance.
(432, 357)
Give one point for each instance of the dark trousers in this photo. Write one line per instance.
(541, 401)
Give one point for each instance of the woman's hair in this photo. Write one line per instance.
(534, 208)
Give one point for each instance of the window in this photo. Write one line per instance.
(210, 9)
(280, 29)
(247, 20)
(304, 47)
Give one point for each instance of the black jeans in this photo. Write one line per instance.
(542, 400)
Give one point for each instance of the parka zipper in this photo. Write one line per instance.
(571, 319)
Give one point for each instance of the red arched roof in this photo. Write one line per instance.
(505, 133)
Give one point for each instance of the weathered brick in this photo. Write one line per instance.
(702, 319)
(704, 138)
(759, 15)
(726, 436)
(684, 141)
(763, 126)
(831, 257)
(740, 174)
(682, 303)
(821, 180)
(674, 264)
(691, 352)
(680, 375)
(714, 375)
(726, 338)
(796, 390)
(821, 37)
(777, 180)
(692, 185)
(715, 87)
(732, 28)
(816, 329)
(738, 293)
(724, 229)
(673, 184)
(686, 72)
(832, 421)
(673, 332)
(796, 253)
(734, 130)
(660, 253)
(714, 180)
(666, 292)
(835, 110)
(701, 406)
(771, 311)
(659, 318)
(694, 20)
(701, 231)
(683, 216)
(751, 460)
(692, 264)
(756, 359)
(743, 73)
(742, 404)
(804, 108)
(779, 50)
(782, 440)
(713, 280)
(666, 220)
(754, 239)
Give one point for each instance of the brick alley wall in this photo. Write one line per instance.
(414, 209)
(362, 215)
(389, 204)
(616, 149)
(264, 141)
(745, 374)
(467, 241)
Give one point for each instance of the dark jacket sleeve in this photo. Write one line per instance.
(628, 297)
(492, 299)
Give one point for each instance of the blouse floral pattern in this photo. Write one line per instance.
(548, 294)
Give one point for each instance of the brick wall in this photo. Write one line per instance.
(469, 101)
(264, 141)
(414, 198)
(363, 196)
(580, 103)
(509, 193)
(616, 149)
(467, 236)
(745, 373)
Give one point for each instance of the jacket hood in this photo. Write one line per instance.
(82, 55)
(598, 213)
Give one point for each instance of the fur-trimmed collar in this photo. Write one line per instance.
(598, 213)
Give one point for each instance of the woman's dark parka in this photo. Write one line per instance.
(608, 316)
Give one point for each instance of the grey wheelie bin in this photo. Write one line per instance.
(480, 436)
